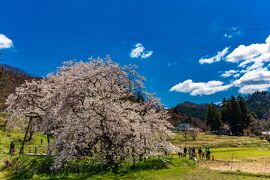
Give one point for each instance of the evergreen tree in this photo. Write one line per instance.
(235, 117)
(213, 118)
(225, 107)
(245, 118)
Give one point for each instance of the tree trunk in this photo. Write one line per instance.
(24, 139)
(31, 133)
(48, 139)
(48, 146)
(5, 125)
(133, 157)
(144, 142)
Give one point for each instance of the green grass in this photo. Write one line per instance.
(6, 137)
(241, 153)
(220, 141)
(179, 168)
(224, 148)
(175, 173)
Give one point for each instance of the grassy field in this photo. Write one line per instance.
(235, 158)
(180, 169)
(220, 141)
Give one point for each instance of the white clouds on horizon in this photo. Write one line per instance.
(253, 62)
(255, 80)
(139, 52)
(5, 42)
(200, 88)
(215, 58)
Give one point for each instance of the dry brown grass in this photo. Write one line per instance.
(259, 165)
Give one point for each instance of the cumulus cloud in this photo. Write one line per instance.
(139, 52)
(251, 57)
(253, 72)
(215, 58)
(230, 73)
(255, 80)
(147, 54)
(200, 88)
(236, 75)
(5, 42)
(254, 62)
(233, 31)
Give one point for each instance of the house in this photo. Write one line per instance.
(184, 127)
(265, 132)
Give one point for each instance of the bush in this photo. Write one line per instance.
(152, 163)
(26, 167)
(87, 165)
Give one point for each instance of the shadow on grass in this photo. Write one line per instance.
(40, 168)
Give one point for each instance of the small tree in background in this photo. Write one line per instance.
(185, 134)
(194, 133)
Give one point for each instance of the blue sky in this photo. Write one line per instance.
(183, 48)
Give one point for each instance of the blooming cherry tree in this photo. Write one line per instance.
(89, 109)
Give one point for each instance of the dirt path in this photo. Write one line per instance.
(250, 165)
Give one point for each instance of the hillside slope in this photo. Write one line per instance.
(193, 109)
(188, 112)
(10, 78)
(259, 102)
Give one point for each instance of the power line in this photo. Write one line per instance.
(117, 50)
(252, 19)
(122, 49)
(146, 36)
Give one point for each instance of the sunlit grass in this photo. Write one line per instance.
(219, 141)
(224, 148)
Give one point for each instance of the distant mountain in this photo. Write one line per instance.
(259, 102)
(192, 109)
(189, 112)
(10, 78)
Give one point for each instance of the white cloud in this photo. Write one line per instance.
(236, 75)
(215, 58)
(251, 57)
(233, 31)
(255, 80)
(253, 72)
(248, 89)
(229, 73)
(139, 52)
(5, 42)
(227, 36)
(200, 88)
(147, 54)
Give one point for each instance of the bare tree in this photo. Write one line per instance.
(194, 133)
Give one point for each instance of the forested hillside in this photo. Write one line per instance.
(10, 78)
(188, 112)
(259, 102)
(192, 109)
